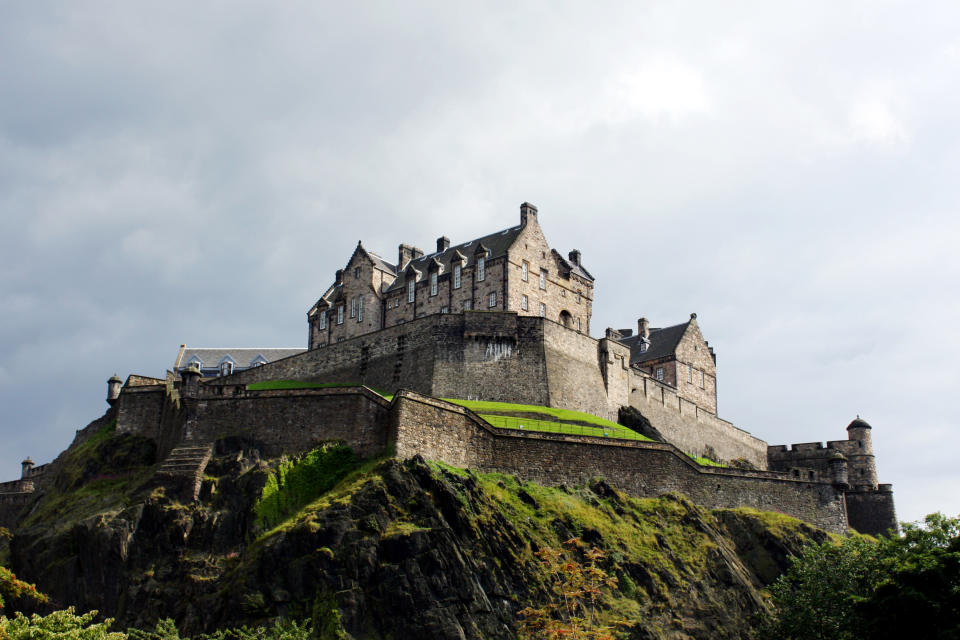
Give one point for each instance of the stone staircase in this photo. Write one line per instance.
(182, 472)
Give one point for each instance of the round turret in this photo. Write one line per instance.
(190, 385)
(113, 389)
(838, 470)
(859, 431)
(26, 467)
(862, 469)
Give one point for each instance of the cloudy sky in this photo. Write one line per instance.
(180, 173)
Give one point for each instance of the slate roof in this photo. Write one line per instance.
(574, 267)
(663, 342)
(243, 357)
(496, 243)
(382, 264)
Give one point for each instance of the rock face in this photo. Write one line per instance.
(382, 549)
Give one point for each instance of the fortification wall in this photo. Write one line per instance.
(872, 511)
(296, 420)
(440, 431)
(691, 428)
(573, 371)
(11, 504)
(139, 410)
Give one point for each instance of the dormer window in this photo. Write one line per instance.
(481, 268)
(226, 368)
(433, 283)
(195, 362)
(411, 291)
(457, 269)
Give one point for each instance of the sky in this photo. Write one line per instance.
(175, 172)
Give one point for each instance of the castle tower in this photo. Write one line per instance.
(26, 467)
(838, 471)
(113, 389)
(190, 383)
(862, 468)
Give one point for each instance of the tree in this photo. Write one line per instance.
(12, 588)
(577, 583)
(59, 625)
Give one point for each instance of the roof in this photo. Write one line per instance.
(243, 357)
(382, 264)
(496, 243)
(663, 343)
(574, 267)
(859, 423)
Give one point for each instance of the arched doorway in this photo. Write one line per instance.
(566, 319)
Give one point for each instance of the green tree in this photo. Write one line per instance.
(59, 625)
(12, 588)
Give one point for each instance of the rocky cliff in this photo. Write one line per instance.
(377, 548)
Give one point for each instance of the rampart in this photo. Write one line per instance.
(501, 356)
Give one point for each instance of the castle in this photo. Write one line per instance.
(500, 318)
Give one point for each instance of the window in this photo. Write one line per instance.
(523, 302)
(543, 310)
(226, 368)
(359, 309)
(322, 323)
(660, 374)
(456, 276)
(689, 374)
(341, 339)
(433, 283)
(353, 307)
(578, 297)
(563, 293)
(702, 379)
(481, 268)
(543, 278)
(468, 305)
(340, 314)
(524, 271)
(356, 272)
(444, 309)
(411, 291)
(578, 324)
(493, 299)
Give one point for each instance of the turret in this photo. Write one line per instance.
(190, 384)
(25, 468)
(863, 469)
(113, 389)
(838, 471)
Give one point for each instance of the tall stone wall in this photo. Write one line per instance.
(872, 511)
(293, 421)
(451, 434)
(692, 428)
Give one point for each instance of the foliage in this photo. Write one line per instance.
(166, 629)
(578, 585)
(59, 625)
(297, 482)
(12, 587)
(902, 586)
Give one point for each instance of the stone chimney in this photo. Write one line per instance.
(406, 254)
(528, 213)
(643, 328)
(113, 388)
(443, 243)
(25, 468)
(575, 257)
(339, 277)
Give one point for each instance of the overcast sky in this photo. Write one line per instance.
(195, 173)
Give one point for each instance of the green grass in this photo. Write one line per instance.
(563, 415)
(548, 426)
(706, 462)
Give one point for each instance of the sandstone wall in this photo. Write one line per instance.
(691, 428)
(436, 430)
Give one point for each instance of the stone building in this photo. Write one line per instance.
(223, 362)
(509, 270)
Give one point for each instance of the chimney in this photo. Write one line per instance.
(528, 212)
(575, 257)
(443, 243)
(339, 277)
(643, 328)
